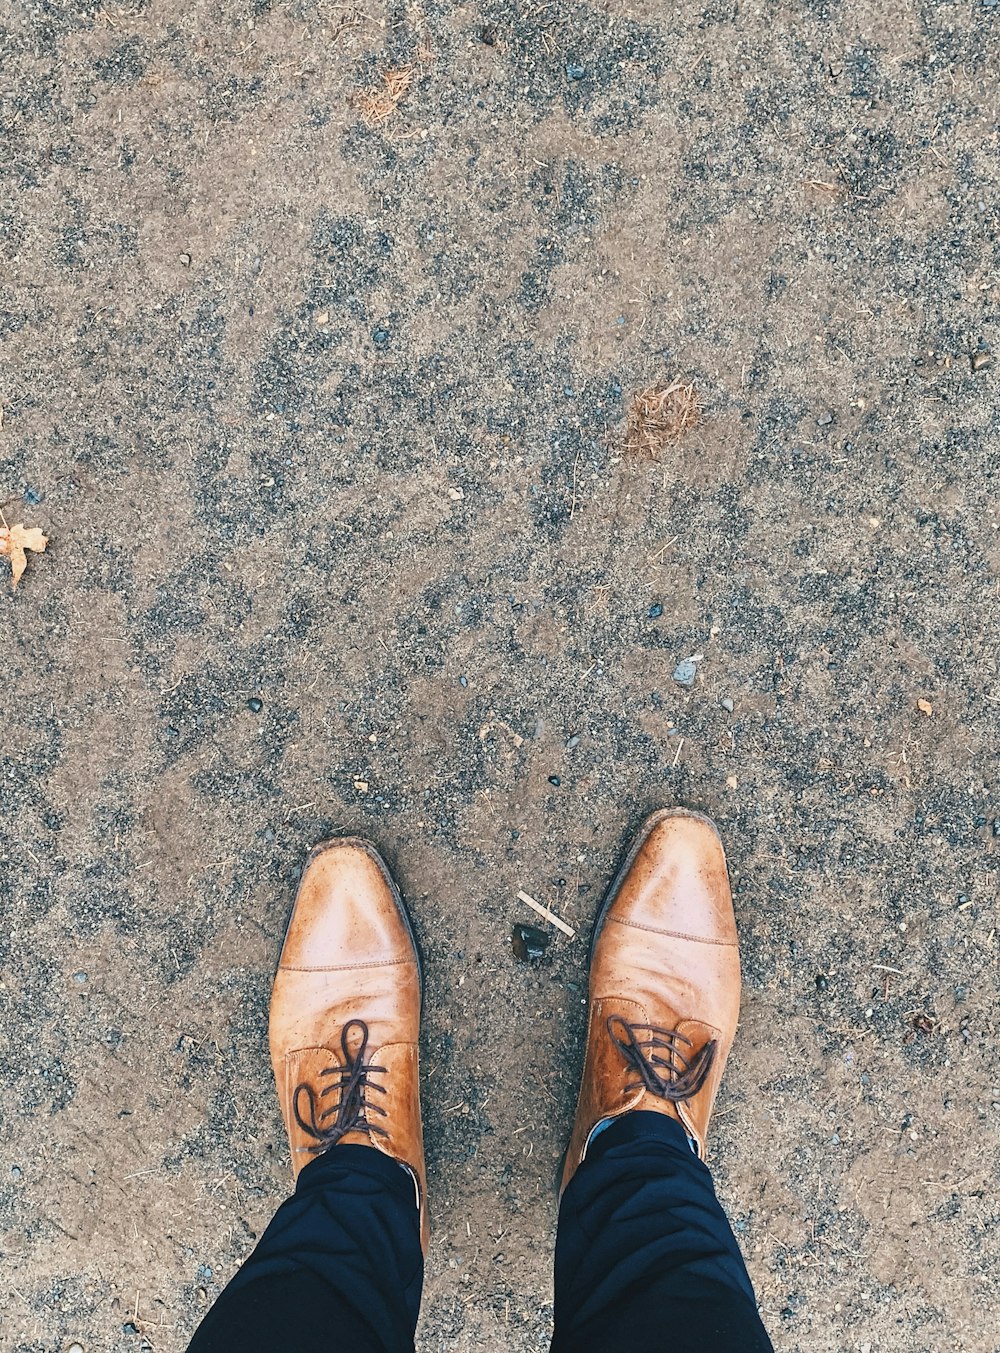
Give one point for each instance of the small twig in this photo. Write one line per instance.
(544, 912)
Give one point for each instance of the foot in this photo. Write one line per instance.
(664, 983)
(345, 1014)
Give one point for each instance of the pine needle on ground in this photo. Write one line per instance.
(659, 416)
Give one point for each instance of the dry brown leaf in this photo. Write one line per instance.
(925, 707)
(660, 415)
(14, 540)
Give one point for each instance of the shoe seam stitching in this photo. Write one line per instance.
(675, 934)
(344, 967)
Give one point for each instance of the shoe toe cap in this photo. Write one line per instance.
(678, 881)
(346, 912)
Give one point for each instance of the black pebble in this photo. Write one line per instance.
(655, 611)
(822, 982)
(380, 337)
(554, 780)
(254, 705)
(528, 942)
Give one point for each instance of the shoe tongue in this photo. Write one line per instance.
(311, 1067)
(649, 1026)
(355, 1139)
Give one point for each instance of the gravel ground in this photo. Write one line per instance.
(324, 422)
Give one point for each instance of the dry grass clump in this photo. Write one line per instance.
(379, 102)
(659, 416)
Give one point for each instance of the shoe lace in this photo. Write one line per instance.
(681, 1077)
(350, 1113)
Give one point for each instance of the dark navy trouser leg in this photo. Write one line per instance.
(646, 1261)
(338, 1269)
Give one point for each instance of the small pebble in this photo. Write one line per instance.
(555, 780)
(981, 359)
(686, 671)
(572, 742)
(16, 1172)
(655, 611)
(80, 977)
(186, 260)
(463, 681)
(380, 337)
(575, 72)
(255, 705)
(75, 1348)
(996, 826)
(32, 497)
(528, 942)
(824, 420)
(727, 704)
(822, 982)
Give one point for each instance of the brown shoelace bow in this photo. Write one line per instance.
(681, 1076)
(350, 1113)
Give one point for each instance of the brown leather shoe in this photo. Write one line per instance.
(345, 1014)
(664, 983)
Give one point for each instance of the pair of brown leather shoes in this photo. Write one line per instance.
(664, 999)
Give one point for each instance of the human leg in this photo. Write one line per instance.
(342, 1260)
(645, 1258)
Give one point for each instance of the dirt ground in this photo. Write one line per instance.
(327, 416)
